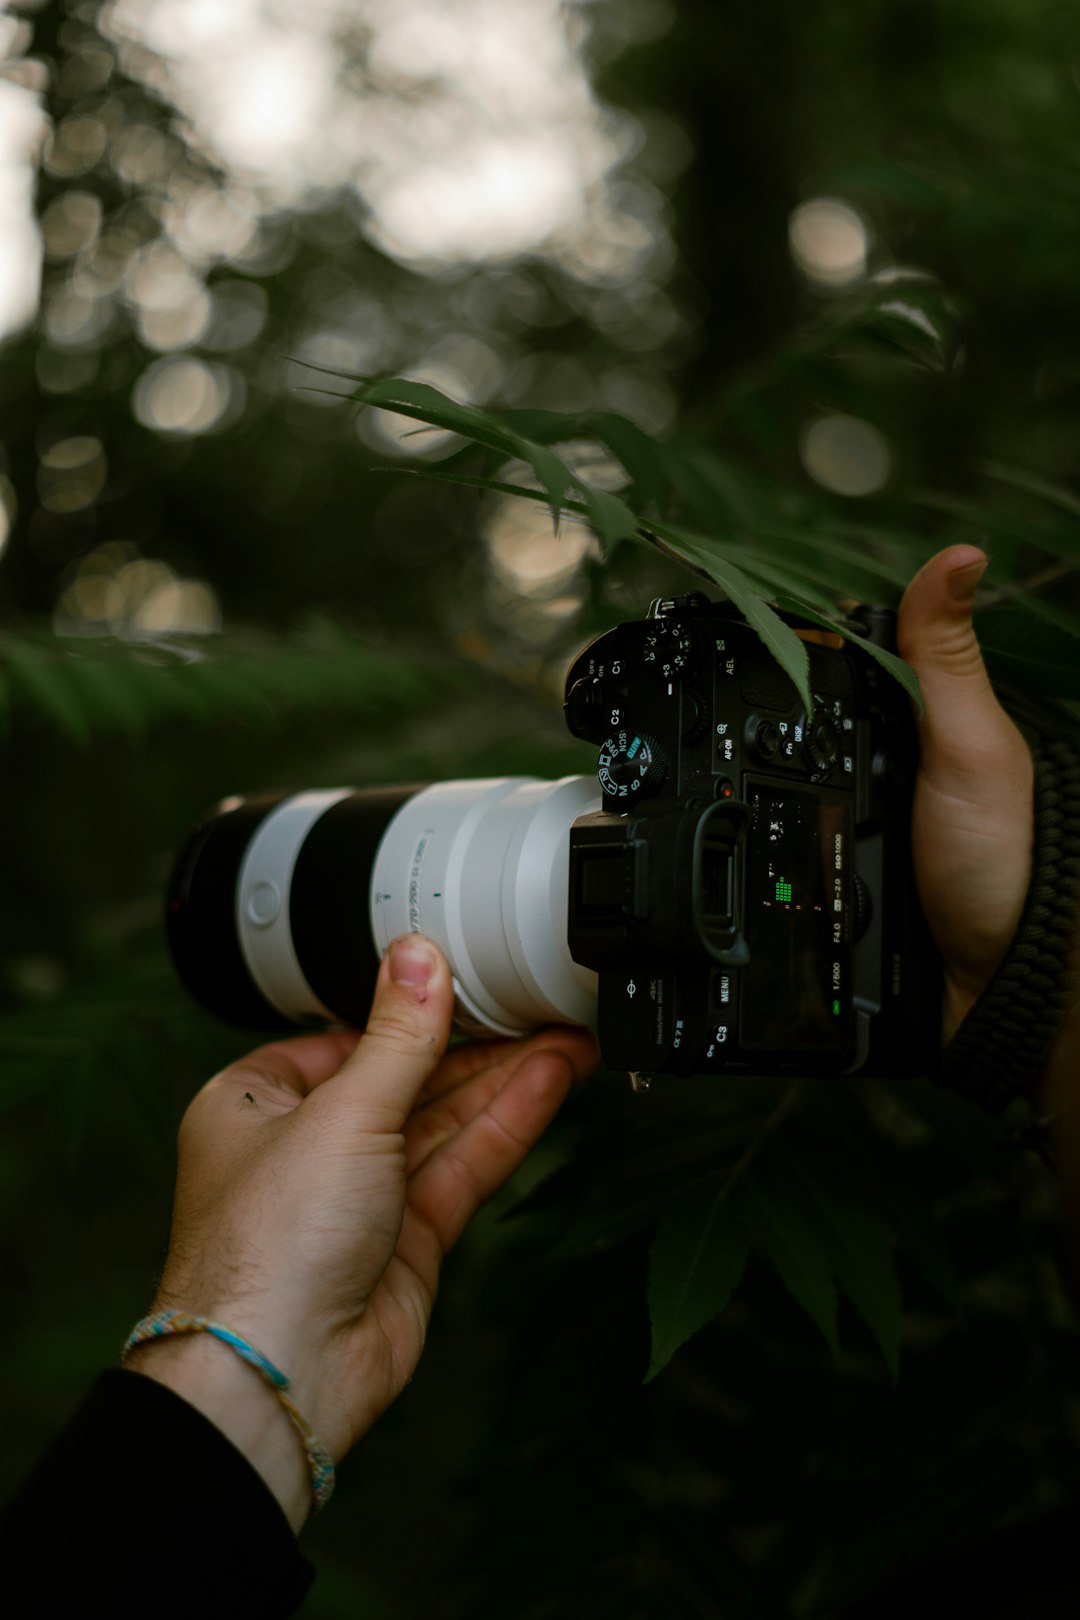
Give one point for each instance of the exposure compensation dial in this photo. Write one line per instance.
(670, 649)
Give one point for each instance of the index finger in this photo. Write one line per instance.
(297, 1065)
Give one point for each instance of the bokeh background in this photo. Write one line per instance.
(827, 250)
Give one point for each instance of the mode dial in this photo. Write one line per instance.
(630, 766)
(669, 650)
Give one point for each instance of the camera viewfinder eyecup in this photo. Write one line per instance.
(660, 883)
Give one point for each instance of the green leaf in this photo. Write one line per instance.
(714, 491)
(47, 687)
(904, 314)
(1043, 489)
(860, 1256)
(695, 1264)
(708, 483)
(642, 457)
(610, 1220)
(856, 551)
(93, 686)
(878, 1176)
(805, 573)
(891, 662)
(1039, 656)
(545, 427)
(774, 579)
(1012, 538)
(723, 500)
(611, 518)
(779, 638)
(617, 1211)
(780, 1231)
(427, 404)
(115, 695)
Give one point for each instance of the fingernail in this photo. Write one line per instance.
(962, 581)
(412, 961)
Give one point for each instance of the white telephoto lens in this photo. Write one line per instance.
(482, 868)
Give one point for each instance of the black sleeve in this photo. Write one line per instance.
(142, 1505)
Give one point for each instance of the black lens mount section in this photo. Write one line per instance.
(330, 900)
(201, 914)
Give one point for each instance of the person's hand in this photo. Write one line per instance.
(973, 816)
(321, 1182)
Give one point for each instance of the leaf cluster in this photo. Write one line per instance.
(768, 556)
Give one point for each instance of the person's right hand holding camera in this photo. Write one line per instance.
(973, 824)
(974, 816)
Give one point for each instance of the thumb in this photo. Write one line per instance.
(407, 1031)
(966, 738)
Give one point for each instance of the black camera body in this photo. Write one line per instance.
(736, 895)
(746, 895)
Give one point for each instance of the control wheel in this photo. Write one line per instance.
(696, 716)
(862, 908)
(822, 740)
(767, 739)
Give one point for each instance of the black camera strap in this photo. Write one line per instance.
(1001, 1048)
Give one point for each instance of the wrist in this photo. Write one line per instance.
(213, 1379)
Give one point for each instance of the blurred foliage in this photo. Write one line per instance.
(848, 335)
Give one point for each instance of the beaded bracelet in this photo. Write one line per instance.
(165, 1323)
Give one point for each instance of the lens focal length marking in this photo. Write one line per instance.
(415, 874)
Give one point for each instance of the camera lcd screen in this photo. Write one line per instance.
(797, 989)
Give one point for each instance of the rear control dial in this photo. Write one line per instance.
(767, 739)
(696, 715)
(822, 740)
(630, 766)
(669, 651)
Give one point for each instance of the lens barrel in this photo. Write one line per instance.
(280, 908)
(201, 914)
(267, 912)
(483, 867)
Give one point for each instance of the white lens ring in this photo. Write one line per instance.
(263, 894)
(483, 867)
(536, 883)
